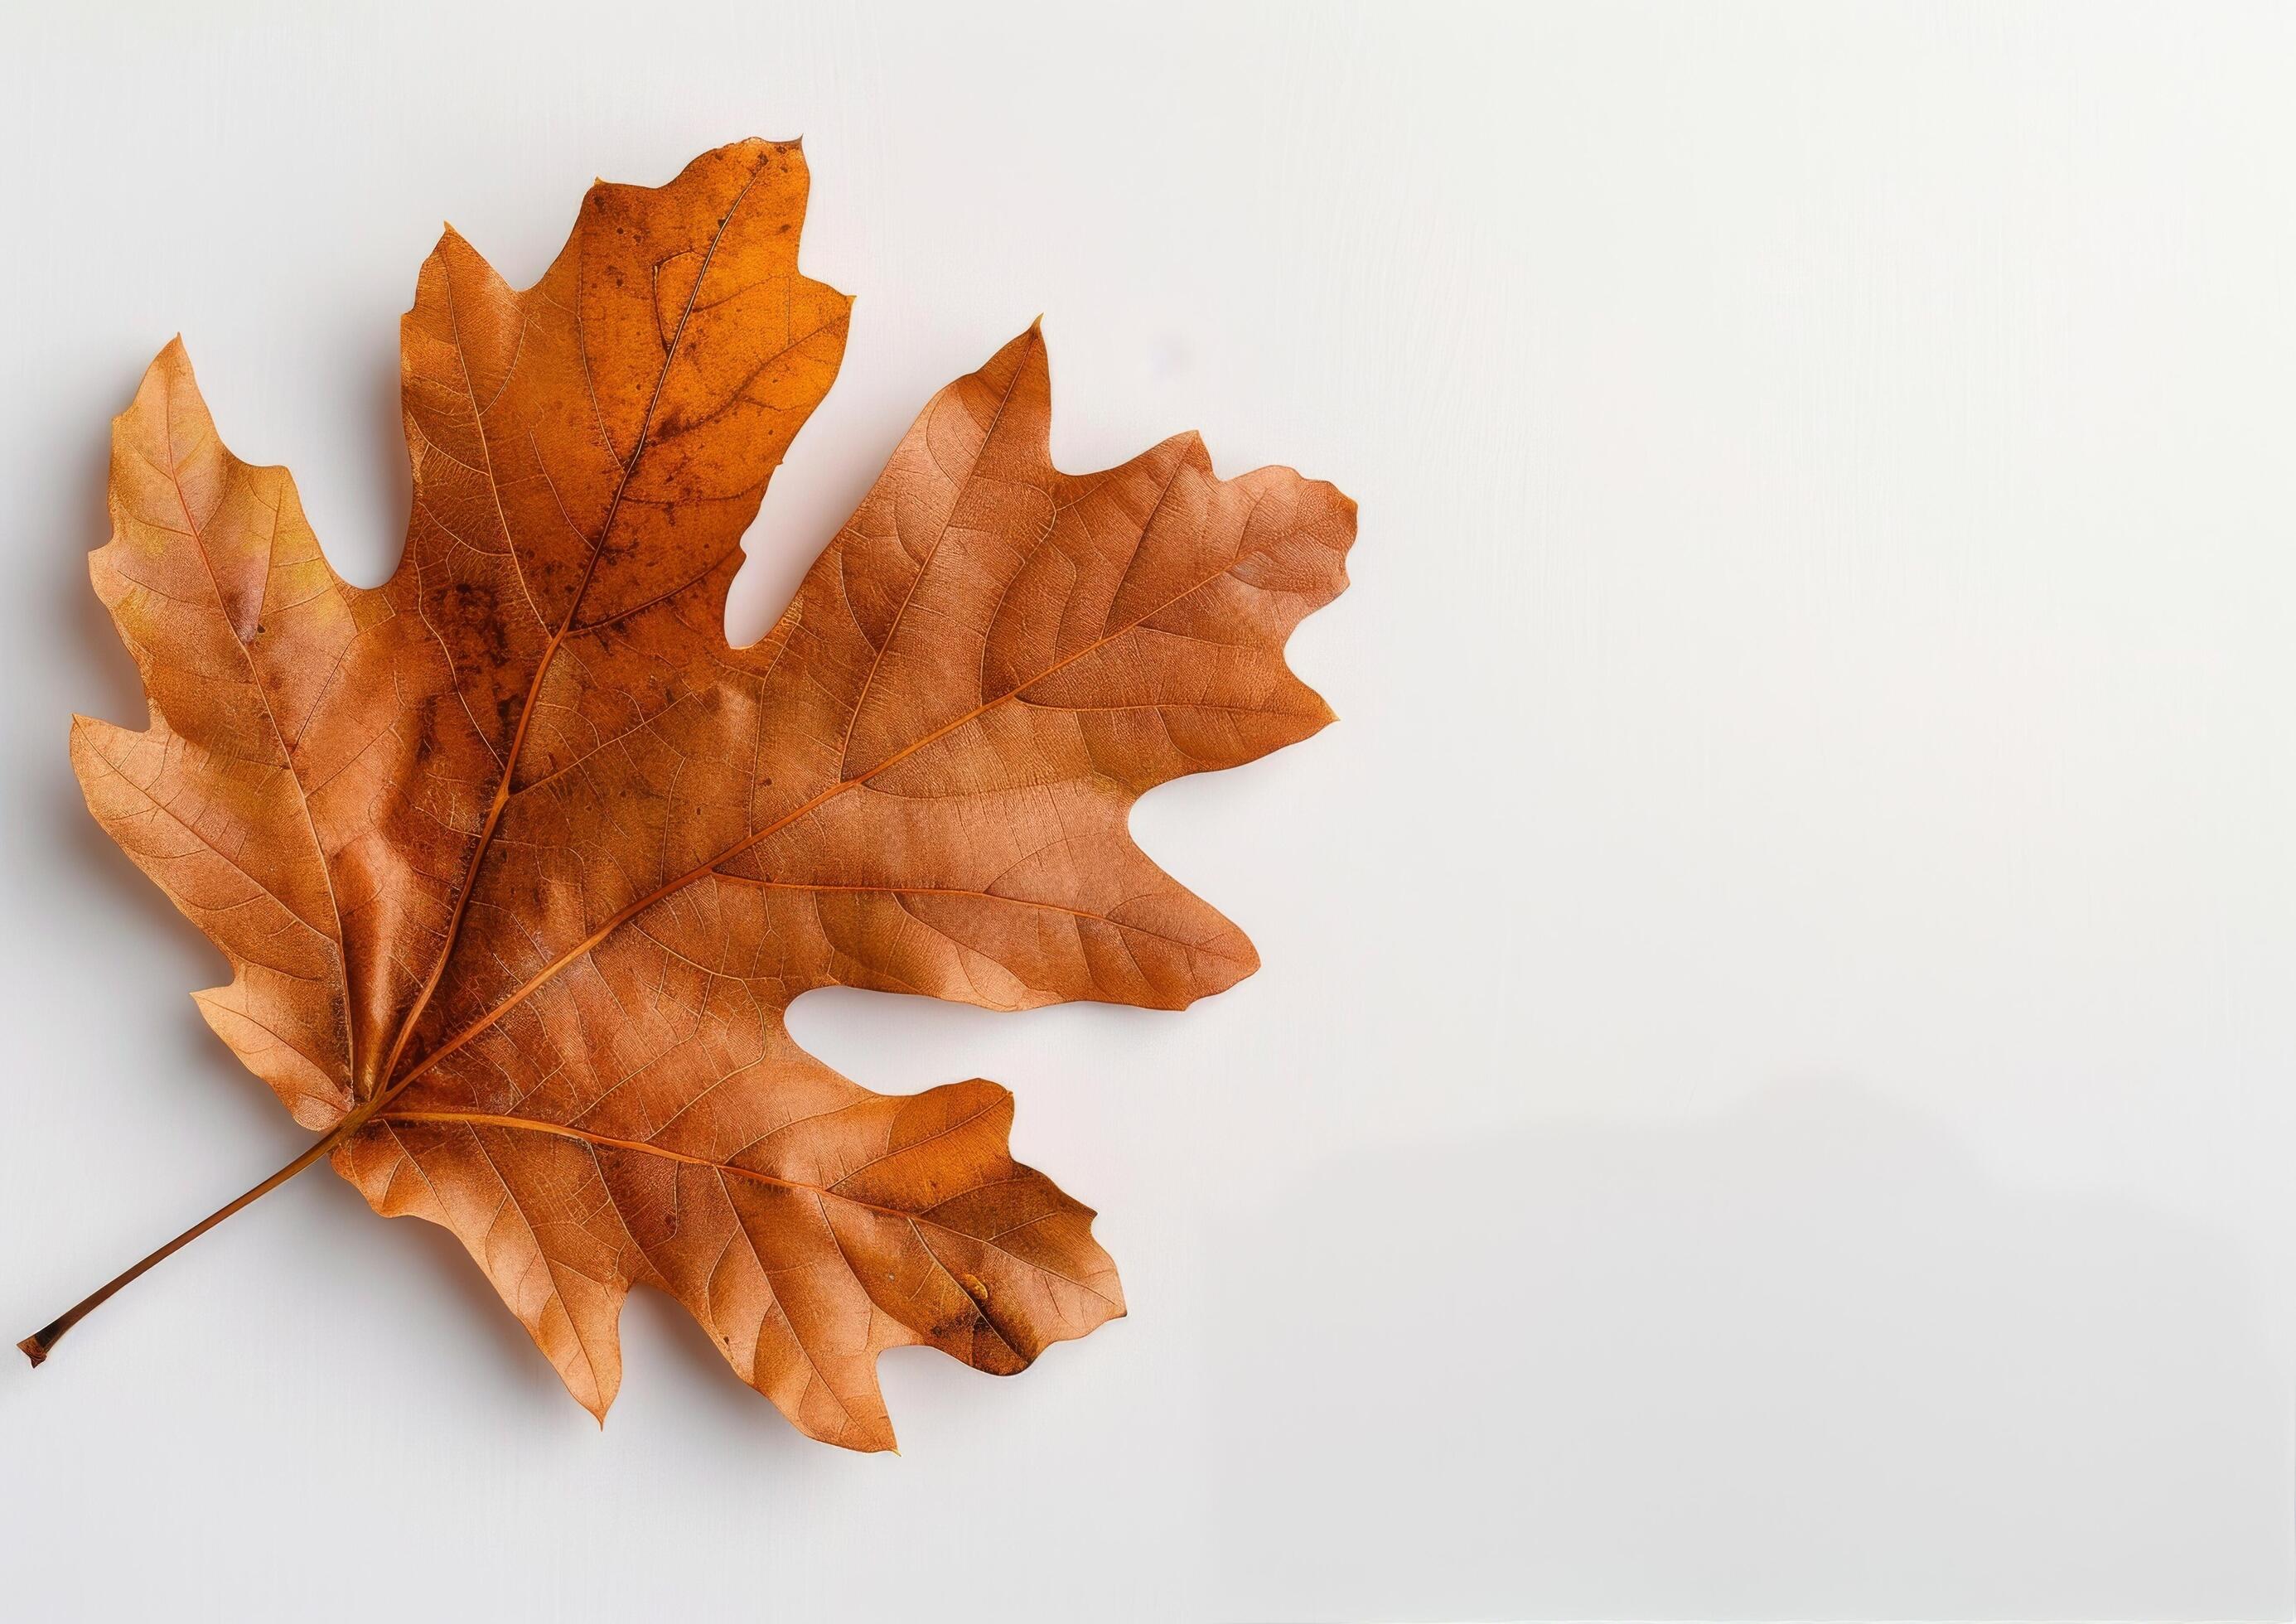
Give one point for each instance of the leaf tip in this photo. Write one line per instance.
(171, 365)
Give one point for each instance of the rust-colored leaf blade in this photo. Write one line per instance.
(518, 863)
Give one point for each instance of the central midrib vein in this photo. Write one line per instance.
(549, 653)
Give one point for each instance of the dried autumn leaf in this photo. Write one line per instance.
(518, 863)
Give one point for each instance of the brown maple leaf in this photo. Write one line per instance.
(518, 863)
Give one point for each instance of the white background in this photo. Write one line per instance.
(1770, 1093)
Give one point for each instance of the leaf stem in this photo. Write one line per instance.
(37, 1346)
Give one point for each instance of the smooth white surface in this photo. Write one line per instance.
(1771, 1089)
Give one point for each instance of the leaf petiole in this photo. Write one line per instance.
(37, 1346)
